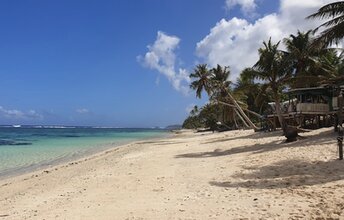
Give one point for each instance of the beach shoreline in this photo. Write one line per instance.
(235, 174)
(97, 149)
(51, 165)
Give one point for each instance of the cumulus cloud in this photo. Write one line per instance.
(235, 42)
(82, 111)
(17, 114)
(162, 58)
(247, 7)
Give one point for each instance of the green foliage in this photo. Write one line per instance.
(207, 117)
(252, 93)
(334, 28)
(305, 63)
(202, 82)
(192, 122)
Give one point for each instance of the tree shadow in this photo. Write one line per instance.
(236, 150)
(288, 173)
(255, 135)
(327, 137)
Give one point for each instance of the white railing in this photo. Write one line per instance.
(312, 107)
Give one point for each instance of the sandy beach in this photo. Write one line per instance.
(229, 175)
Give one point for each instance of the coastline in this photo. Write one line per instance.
(65, 162)
(236, 174)
(97, 149)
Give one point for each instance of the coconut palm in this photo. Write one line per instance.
(303, 57)
(274, 69)
(219, 81)
(215, 83)
(222, 92)
(332, 67)
(252, 92)
(334, 28)
(194, 111)
(202, 81)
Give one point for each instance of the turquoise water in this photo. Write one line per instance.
(25, 149)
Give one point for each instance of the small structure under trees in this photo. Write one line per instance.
(309, 107)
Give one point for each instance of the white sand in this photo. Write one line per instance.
(230, 175)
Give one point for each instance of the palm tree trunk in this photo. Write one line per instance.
(242, 113)
(246, 110)
(235, 121)
(245, 123)
(279, 111)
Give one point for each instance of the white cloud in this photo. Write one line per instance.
(82, 111)
(235, 42)
(248, 7)
(17, 114)
(161, 57)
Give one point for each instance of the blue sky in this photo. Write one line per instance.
(125, 63)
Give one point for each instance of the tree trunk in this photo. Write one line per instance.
(242, 113)
(279, 112)
(245, 123)
(234, 119)
(290, 133)
(246, 110)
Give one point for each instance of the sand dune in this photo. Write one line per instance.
(229, 175)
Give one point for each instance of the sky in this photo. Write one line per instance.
(126, 63)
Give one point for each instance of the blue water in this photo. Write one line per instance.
(26, 149)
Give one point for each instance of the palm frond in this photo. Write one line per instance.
(328, 11)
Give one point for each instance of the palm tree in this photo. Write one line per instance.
(332, 67)
(252, 92)
(219, 81)
(202, 82)
(274, 69)
(221, 90)
(194, 111)
(334, 31)
(303, 57)
(215, 83)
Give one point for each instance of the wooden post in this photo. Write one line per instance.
(340, 128)
(340, 108)
(340, 142)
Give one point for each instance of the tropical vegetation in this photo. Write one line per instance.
(306, 61)
(333, 28)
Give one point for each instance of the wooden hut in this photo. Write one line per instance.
(308, 107)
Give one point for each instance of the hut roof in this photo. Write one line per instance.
(322, 90)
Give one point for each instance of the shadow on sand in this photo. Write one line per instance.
(326, 138)
(255, 135)
(288, 173)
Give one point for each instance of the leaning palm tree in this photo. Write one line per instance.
(274, 69)
(221, 88)
(334, 28)
(215, 83)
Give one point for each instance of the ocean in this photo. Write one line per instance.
(24, 149)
